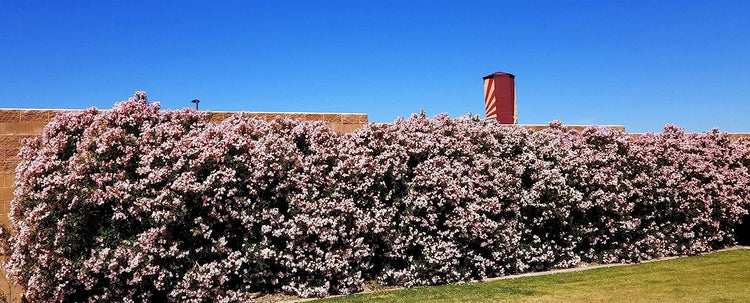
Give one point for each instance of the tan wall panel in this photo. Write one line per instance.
(37, 115)
(22, 128)
(354, 118)
(9, 146)
(739, 135)
(6, 193)
(6, 180)
(537, 127)
(332, 118)
(8, 165)
(344, 127)
(10, 115)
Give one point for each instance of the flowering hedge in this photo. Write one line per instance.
(141, 204)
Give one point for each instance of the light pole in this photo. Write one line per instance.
(196, 101)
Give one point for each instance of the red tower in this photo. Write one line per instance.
(500, 97)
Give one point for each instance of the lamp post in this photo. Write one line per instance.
(196, 101)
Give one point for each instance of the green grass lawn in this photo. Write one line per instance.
(717, 277)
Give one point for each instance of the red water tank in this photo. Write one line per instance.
(500, 97)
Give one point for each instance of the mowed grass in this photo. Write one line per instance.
(716, 277)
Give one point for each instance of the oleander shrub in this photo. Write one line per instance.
(595, 163)
(440, 207)
(138, 204)
(456, 199)
(141, 204)
(690, 191)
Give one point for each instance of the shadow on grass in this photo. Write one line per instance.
(742, 232)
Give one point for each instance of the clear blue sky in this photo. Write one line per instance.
(637, 63)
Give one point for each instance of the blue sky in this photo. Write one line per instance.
(637, 63)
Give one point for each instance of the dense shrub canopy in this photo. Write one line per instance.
(141, 204)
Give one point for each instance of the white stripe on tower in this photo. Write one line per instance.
(492, 97)
(486, 95)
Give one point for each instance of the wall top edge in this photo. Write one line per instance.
(208, 111)
(571, 125)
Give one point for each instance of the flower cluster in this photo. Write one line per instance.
(141, 204)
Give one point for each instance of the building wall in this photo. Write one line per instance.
(17, 124)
